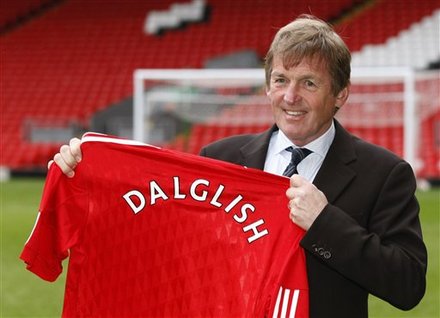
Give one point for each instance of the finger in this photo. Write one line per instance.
(65, 168)
(291, 211)
(293, 216)
(296, 180)
(290, 193)
(290, 205)
(297, 192)
(67, 156)
(75, 149)
(49, 164)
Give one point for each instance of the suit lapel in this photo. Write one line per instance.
(254, 152)
(335, 174)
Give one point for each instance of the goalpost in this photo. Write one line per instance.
(402, 94)
(187, 108)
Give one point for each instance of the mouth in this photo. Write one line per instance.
(295, 113)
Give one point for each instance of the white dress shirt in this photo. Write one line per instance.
(278, 157)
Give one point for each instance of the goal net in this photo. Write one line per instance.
(186, 109)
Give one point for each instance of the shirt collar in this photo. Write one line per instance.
(319, 146)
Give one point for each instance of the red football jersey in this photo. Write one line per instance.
(151, 232)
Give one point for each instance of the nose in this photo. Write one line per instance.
(291, 95)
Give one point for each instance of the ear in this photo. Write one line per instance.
(342, 97)
(267, 90)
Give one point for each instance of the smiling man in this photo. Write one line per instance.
(355, 200)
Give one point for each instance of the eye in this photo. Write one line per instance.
(310, 83)
(279, 80)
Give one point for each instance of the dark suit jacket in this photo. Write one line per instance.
(368, 238)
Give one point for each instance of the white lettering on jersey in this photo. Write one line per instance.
(156, 192)
(244, 208)
(217, 194)
(177, 194)
(200, 190)
(253, 227)
(233, 203)
(192, 190)
(136, 208)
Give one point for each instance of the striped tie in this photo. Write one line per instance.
(298, 154)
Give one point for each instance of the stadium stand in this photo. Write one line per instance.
(15, 13)
(78, 57)
(381, 20)
(413, 46)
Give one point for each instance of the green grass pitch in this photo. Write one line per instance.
(22, 294)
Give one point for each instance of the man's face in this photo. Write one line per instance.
(302, 101)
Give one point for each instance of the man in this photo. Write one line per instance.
(355, 200)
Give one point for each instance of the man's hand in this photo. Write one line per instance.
(306, 201)
(68, 157)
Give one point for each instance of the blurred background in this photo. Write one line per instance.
(68, 66)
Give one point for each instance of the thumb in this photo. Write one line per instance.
(296, 180)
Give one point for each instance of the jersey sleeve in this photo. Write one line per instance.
(62, 213)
